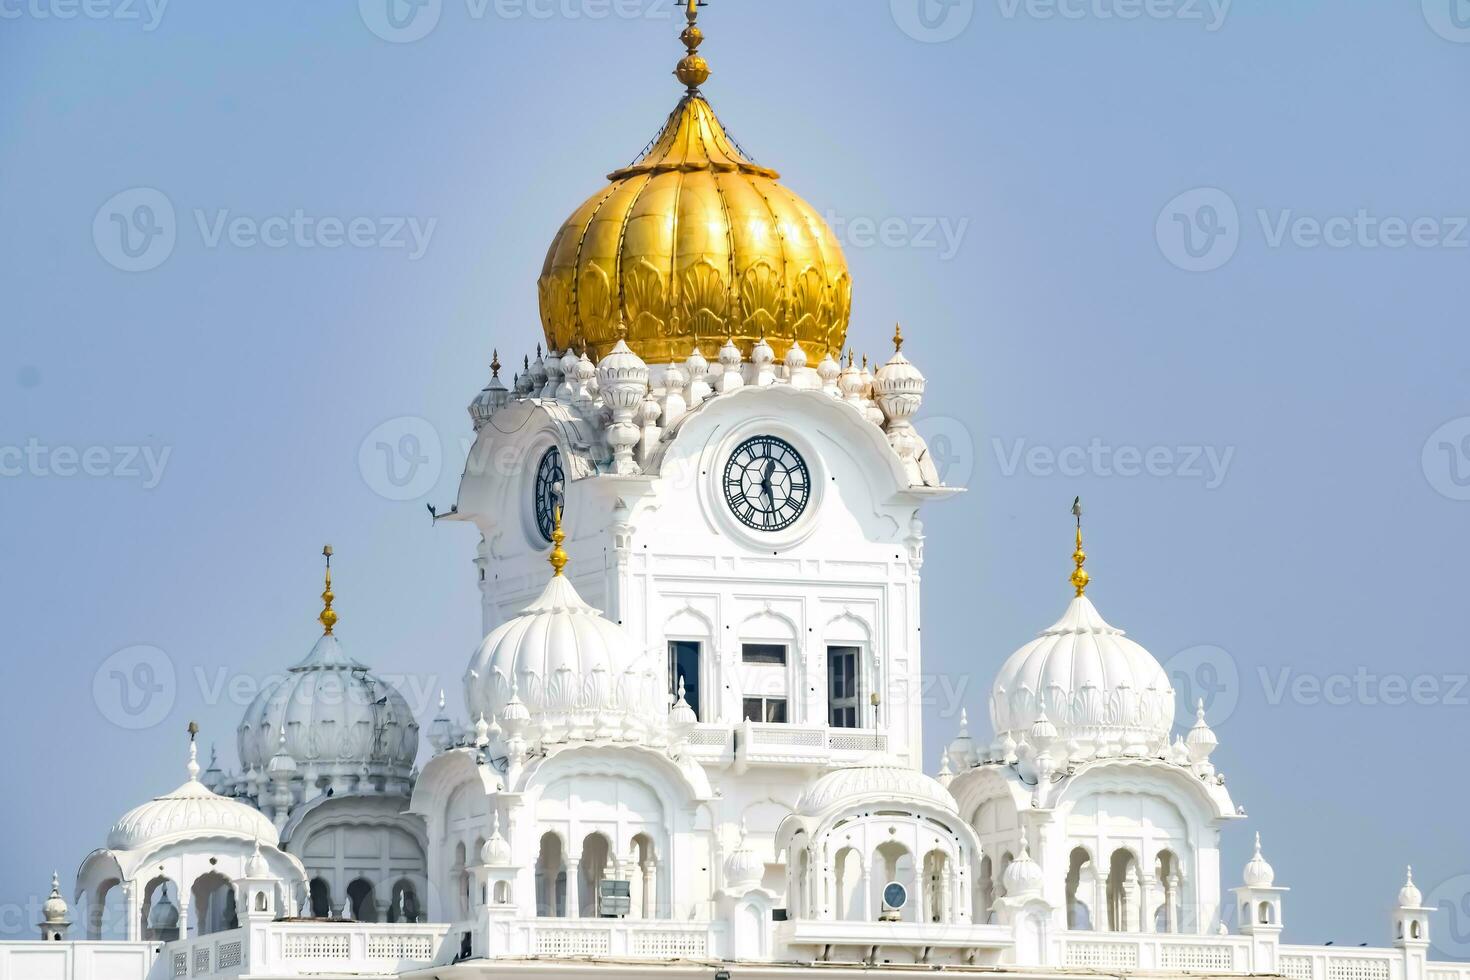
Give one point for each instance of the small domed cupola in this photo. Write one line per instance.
(326, 721)
(1102, 692)
(561, 671)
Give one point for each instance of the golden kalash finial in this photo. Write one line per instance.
(693, 70)
(898, 338)
(328, 618)
(1080, 578)
(558, 557)
(495, 364)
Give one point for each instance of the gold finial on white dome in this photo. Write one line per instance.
(1080, 578)
(558, 558)
(328, 617)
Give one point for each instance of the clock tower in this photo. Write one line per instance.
(736, 497)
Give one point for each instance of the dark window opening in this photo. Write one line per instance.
(764, 653)
(844, 687)
(770, 710)
(684, 664)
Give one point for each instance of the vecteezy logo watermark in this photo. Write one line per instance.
(149, 13)
(40, 461)
(1210, 13)
(406, 21)
(401, 21)
(1204, 674)
(951, 448)
(137, 230)
(1207, 464)
(1450, 19)
(944, 235)
(1199, 230)
(1366, 688)
(1451, 933)
(932, 21)
(1446, 459)
(135, 687)
(401, 459)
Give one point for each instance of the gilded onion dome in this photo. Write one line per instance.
(691, 245)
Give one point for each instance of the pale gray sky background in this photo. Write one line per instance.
(1205, 266)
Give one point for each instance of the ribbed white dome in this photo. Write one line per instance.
(578, 675)
(886, 781)
(1101, 690)
(191, 811)
(337, 717)
(1409, 896)
(1258, 872)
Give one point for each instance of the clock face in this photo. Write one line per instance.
(549, 486)
(767, 484)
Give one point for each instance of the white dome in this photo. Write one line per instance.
(1258, 874)
(54, 910)
(337, 717)
(191, 811)
(576, 674)
(744, 868)
(1097, 687)
(1023, 877)
(884, 781)
(1409, 896)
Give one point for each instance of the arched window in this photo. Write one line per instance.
(1166, 874)
(645, 886)
(1081, 885)
(212, 905)
(986, 911)
(551, 878)
(360, 897)
(592, 869)
(321, 899)
(1124, 892)
(892, 862)
(502, 893)
(936, 887)
(1266, 913)
(404, 903)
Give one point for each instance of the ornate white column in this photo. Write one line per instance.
(574, 887)
(1146, 891)
(1171, 903)
(650, 889)
(865, 883)
(1102, 913)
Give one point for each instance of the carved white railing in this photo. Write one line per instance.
(1156, 951)
(1339, 963)
(651, 939)
(305, 947)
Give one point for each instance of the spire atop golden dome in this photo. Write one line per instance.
(1080, 578)
(694, 241)
(693, 70)
(558, 557)
(328, 618)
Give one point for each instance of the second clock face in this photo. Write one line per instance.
(767, 484)
(550, 481)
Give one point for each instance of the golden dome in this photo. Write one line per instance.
(694, 244)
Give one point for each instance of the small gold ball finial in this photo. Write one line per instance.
(558, 558)
(1079, 578)
(495, 364)
(898, 338)
(328, 617)
(692, 70)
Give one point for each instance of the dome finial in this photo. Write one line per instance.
(193, 766)
(328, 618)
(1080, 578)
(898, 338)
(692, 70)
(558, 557)
(495, 363)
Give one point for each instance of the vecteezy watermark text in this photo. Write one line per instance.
(406, 21)
(939, 234)
(137, 229)
(41, 461)
(1207, 464)
(1201, 230)
(1209, 13)
(148, 13)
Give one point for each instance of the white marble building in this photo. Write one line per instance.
(691, 735)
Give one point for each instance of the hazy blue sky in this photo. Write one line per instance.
(1204, 265)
